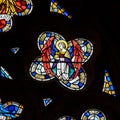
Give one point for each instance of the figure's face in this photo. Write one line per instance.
(61, 45)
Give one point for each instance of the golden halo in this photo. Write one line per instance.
(61, 41)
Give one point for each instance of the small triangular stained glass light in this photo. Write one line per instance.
(108, 86)
(55, 7)
(4, 73)
(47, 101)
(15, 49)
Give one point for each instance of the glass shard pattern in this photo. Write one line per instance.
(4, 73)
(55, 7)
(47, 101)
(15, 50)
(108, 86)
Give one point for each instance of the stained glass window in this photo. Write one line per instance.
(10, 8)
(63, 47)
(56, 7)
(47, 101)
(5, 22)
(10, 110)
(4, 73)
(108, 86)
(93, 114)
(15, 49)
(61, 59)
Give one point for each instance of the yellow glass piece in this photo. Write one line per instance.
(64, 81)
(107, 85)
(74, 86)
(57, 55)
(62, 10)
(88, 46)
(17, 115)
(8, 118)
(102, 118)
(85, 57)
(54, 6)
(56, 3)
(57, 37)
(89, 50)
(91, 111)
(9, 103)
(67, 55)
(59, 11)
(110, 83)
(106, 74)
(84, 118)
(43, 37)
(110, 92)
(21, 106)
(39, 76)
(26, 11)
(113, 92)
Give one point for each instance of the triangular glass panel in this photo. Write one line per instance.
(108, 86)
(15, 49)
(55, 7)
(47, 101)
(4, 73)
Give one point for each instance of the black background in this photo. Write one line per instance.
(93, 20)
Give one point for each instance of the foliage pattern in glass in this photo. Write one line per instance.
(8, 8)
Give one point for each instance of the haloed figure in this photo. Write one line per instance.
(62, 66)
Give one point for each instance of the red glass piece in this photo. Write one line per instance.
(2, 23)
(20, 5)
